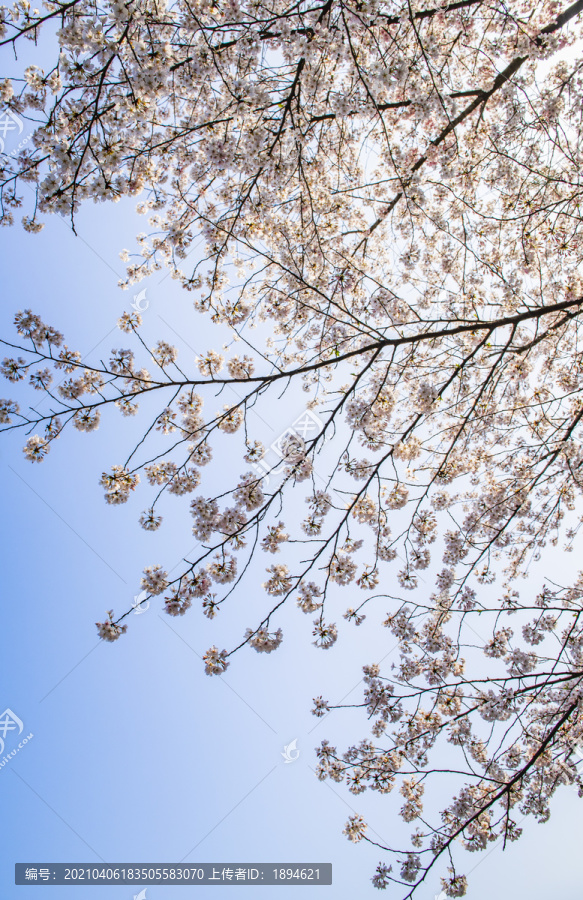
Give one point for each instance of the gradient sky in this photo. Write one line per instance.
(137, 755)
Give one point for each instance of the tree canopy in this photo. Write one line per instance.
(389, 200)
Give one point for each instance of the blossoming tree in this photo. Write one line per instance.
(392, 192)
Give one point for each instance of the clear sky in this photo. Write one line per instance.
(137, 756)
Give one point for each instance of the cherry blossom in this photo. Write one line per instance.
(388, 223)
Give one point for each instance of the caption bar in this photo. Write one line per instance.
(203, 873)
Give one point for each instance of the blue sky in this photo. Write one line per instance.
(137, 756)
